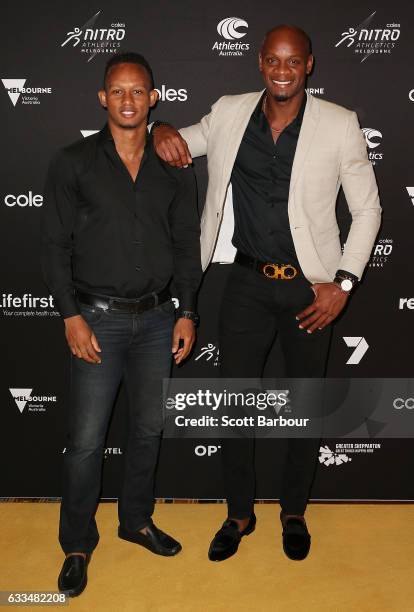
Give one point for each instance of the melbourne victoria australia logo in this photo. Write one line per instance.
(230, 29)
(19, 92)
(365, 39)
(410, 191)
(25, 399)
(92, 40)
(27, 305)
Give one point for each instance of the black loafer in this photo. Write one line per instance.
(155, 540)
(227, 539)
(73, 576)
(296, 539)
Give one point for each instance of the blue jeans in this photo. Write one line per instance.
(136, 349)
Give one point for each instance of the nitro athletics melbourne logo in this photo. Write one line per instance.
(365, 40)
(229, 28)
(92, 41)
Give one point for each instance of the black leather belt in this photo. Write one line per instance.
(134, 306)
(274, 271)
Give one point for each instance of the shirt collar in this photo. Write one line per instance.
(106, 136)
(259, 114)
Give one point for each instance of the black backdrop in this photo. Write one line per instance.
(61, 74)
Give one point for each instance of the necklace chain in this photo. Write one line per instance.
(264, 106)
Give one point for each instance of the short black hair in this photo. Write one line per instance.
(128, 57)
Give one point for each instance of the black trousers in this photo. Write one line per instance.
(254, 311)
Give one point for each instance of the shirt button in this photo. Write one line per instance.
(274, 156)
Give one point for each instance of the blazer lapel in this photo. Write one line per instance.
(307, 133)
(235, 135)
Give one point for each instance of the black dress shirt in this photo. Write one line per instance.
(104, 233)
(260, 182)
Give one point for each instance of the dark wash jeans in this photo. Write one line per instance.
(254, 310)
(137, 350)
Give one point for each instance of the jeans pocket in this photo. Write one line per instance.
(91, 314)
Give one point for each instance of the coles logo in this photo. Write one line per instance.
(167, 94)
(23, 200)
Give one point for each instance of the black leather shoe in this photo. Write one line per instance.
(296, 539)
(155, 540)
(227, 539)
(73, 576)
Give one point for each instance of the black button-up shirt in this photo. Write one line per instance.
(104, 233)
(260, 182)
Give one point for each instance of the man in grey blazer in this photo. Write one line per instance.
(276, 160)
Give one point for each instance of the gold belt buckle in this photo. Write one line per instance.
(275, 272)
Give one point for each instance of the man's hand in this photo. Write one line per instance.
(328, 303)
(81, 339)
(184, 330)
(171, 146)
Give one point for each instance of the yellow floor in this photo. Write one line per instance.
(362, 559)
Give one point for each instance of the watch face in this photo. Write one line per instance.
(346, 285)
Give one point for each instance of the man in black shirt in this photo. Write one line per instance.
(119, 225)
(285, 155)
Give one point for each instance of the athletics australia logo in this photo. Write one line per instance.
(365, 40)
(328, 457)
(93, 41)
(228, 28)
(373, 140)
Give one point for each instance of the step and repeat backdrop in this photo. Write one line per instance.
(51, 69)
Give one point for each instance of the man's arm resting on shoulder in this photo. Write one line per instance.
(178, 147)
(56, 256)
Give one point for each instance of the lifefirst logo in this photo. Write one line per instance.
(27, 305)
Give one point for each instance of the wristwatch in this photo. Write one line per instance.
(345, 280)
(188, 314)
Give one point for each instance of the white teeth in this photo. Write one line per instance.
(282, 82)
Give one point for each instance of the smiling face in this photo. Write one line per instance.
(128, 95)
(284, 62)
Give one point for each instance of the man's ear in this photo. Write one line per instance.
(260, 62)
(102, 97)
(309, 64)
(154, 95)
